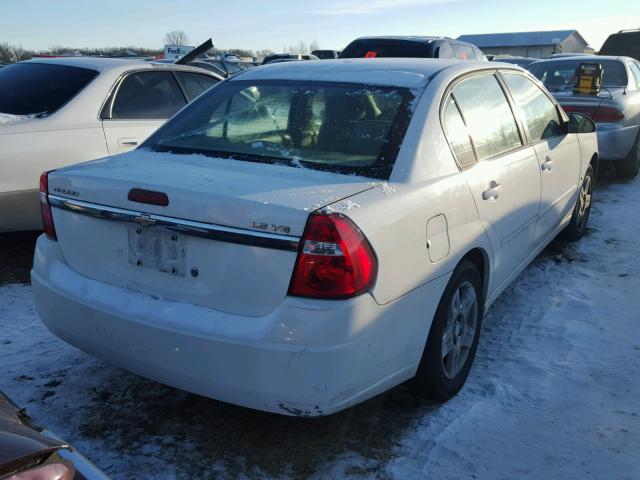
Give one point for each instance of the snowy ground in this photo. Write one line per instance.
(554, 392)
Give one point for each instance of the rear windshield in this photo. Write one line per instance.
(343, 128)
(622, 44)
(561, 74)
(374, 48)
(38, 88)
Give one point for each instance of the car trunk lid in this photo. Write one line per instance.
(226, 240)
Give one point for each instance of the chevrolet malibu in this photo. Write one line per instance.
(307, 235)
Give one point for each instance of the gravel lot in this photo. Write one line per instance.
(553, 394)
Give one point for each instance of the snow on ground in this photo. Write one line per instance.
(554, 392)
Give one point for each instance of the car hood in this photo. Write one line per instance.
(19, 439)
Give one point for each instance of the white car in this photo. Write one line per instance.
(307, 235)
(61, 111)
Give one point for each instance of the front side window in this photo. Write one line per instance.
(147, 96)
(30, 88)
(539, 112)
(345, 128)
(488, 115)
(194, 83)
(457, 134)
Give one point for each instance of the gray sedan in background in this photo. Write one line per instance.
(616, 109)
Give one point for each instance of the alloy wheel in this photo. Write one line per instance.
(460, 329)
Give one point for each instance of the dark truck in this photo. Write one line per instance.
(625, 43)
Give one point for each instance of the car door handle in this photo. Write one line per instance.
(127, 142)
(492, 192)
(546, 166)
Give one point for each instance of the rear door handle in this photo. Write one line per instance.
(492, 192)
(127, 142)
(546, 166)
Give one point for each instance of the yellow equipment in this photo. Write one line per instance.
(588, 78)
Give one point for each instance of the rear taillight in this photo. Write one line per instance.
(47, 217)
(607, 114)
(61, 470)
(335, 259)
(597, 114)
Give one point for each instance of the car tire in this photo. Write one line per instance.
(578, 224)
(630, 166)
(441, 374)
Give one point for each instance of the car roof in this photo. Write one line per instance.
(115, 65)
(408, 38)
(395, 72)
(587, 58)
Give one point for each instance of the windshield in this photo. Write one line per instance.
(344, 128)
(561, 74)
(626, 44)
(39, 88)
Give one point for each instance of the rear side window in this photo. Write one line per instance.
(540, 113)
(444, 51)
(383, 48)
(457, 134)
(194, 84)
(343, 128)
(635, 71)
(463, 52)
(40, 88)
(147, 95)
(488, 115)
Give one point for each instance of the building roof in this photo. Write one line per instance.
(519, 39)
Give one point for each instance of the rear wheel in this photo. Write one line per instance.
(630, 166)
(453, 338)
(578, 224)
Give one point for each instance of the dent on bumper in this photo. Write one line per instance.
(614, 143)
(303, 359)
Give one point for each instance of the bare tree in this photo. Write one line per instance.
(176, 37)
(314, 46)
(6, 52)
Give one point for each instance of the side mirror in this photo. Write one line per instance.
(579, 123)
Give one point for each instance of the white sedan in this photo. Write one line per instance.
(307, 235)
(61, 111)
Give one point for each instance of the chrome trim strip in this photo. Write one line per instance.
(209, 231)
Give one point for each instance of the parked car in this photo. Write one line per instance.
(224, 68)
(520, 61)
(29, 452)
(305, 236)
(59, 111)
(568, 54)
(616, 109)
(412, 47)
(326, 54)
(625, 43)
(288, 56)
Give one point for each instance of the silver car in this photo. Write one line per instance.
(616, 109)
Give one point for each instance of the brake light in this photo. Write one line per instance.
(50, 471)
(45, 208)
(335, 259)
(150, 197)
(608, 114)
(371, 54)
(597, 114)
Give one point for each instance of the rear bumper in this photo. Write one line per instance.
(307, 358)
(614, 143)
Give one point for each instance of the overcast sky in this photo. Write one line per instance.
(274, 24)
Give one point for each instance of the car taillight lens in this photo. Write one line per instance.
(50, 471)
(47, 217)
(607, 114)
(335, 259)
(597, 114)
